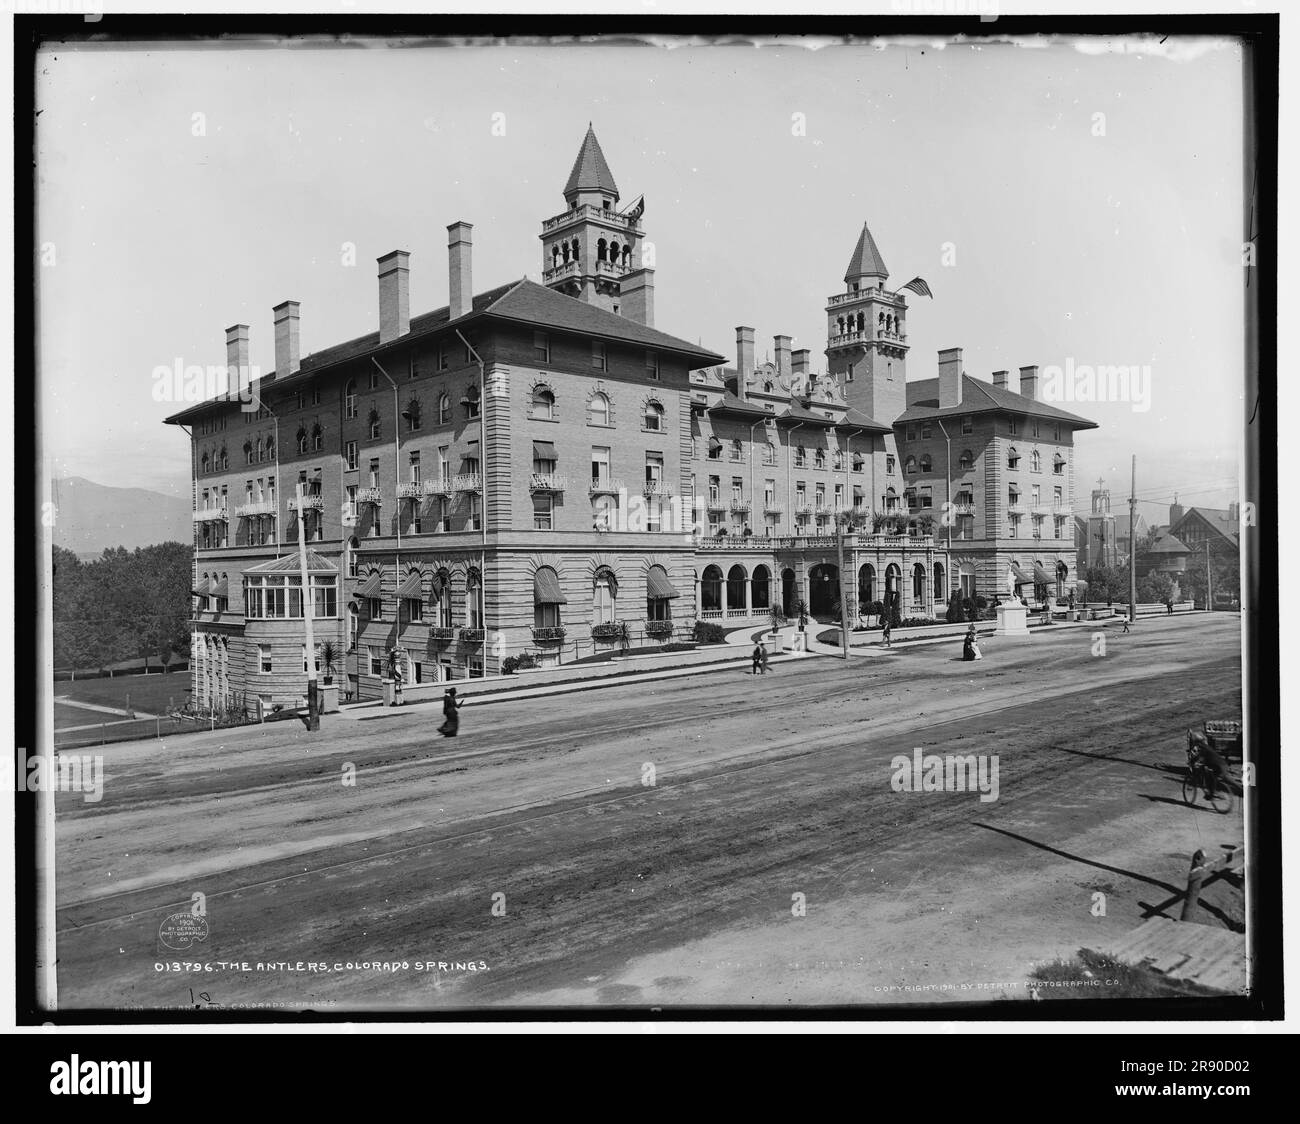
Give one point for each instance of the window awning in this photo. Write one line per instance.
(544, 451)
(658, 585)
(221, 589)
(412, 586)
(1021, 576)
(435, 593)
(1041, 576)
(371, 586)
(203, 589)
(1058, 459)
(546, 588)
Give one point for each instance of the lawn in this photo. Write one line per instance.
(149, 693)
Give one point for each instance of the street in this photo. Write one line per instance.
(713, 840)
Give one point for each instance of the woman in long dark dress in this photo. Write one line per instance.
(451, 720)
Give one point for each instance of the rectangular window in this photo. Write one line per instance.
(715, 489)
(652, 365)
(543, 510)
(415, 467)
(654, 468)
(374, 473)
(968, 425)
(600, 465)
(414, 610)
(375, 608)
(599, 358)
(925, 430)
(889, 465)
(443, 363)
(376, 660)
(927, 496)
(350, 452)
(475, 517)
(839, 497)
(541, 347)
(264, 658)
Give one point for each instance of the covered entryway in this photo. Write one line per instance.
(823, 590)
(789, 592)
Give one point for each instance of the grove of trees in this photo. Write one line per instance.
(124, 605)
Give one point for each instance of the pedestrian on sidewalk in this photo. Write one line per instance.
(1125, 623)
(756, 657)
(450, 719)
(887, 629)
(762, 658)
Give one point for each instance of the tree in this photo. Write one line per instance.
(1107, 583)
(1156, 587)
(956, 610)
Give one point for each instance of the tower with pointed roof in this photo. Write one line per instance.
(866, 335)
(592, 251)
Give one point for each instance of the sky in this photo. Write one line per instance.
(1071, 202)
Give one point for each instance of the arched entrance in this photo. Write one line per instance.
(866, 587)
(736, 578)
(823, 590)
(761, 589)
(711, 590)
(788, 592)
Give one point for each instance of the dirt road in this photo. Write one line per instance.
(715, 840)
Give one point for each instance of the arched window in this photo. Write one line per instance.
(373, 422)
(270, 448)
(474, 599)
(317, 437)
(737, 450)
(350, 399)
(601, 247)
(909, 465)
(471, 402)
(966, 460)
(575, 252)
(1013, 457)
(926, 463)
(613, 252)
(353, 547)
(918, 582)
(248, 452)
(604, 596)
(302, 440)
(940, 586)
(761, 589)
(659, 591)
(736, 587)
(444, 409)
(598, 411)
(204, 463)
(442, 597)
(543, 407)
(1035, 461)
(224, 458)
(866, 587)
(654, 416)
(547, 598)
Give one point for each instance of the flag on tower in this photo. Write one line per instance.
(918, 286)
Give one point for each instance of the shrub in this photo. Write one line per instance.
(706, 632)
(678, 646)
(956, 609)
(511, 664)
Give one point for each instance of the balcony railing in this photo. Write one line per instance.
(211, 515)
(309, 503)
(740, 507)
(370, 496)
(613, 269)
(411, 490)
(256, 508)
(438, 487)
(963, 508)
(467, 482)
(803, 507)
(658, 488)
(567, 269)
(716, 503)
(771, 507)
(547, 482)
(844, 339)
(605, 486)
(588, 211)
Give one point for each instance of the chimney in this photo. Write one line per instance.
(286, 338)
(1234, 512)
(744, 360)
(394, 295)
(949, 377)
(802, 361)
(783, 366)
(1029, 382)
(238, 374)
(460, 286)
(1000, 379)
(636, 296)
(1175, 511)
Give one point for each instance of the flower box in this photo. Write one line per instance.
(439, 632)
(549, 632)
(659, 628)
(471, 636)
(610, 631)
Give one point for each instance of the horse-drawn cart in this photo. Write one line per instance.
(1224, 735)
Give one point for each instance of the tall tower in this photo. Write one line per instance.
(866, 336)
(592, 251)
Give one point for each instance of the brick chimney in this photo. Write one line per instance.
(1000, 379)
(460, 285)
(1029, 382)
(744, 360)
(950, 377)
(636, 297)
(286, 338)
(783, 364)
(238, 374)
(801, 363)
(394, 295)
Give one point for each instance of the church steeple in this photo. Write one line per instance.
(593, 252)
(866, 262)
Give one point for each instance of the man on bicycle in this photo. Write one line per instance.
(1214, 768)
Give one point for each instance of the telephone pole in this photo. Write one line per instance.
(1209, 580)
(844, 596)
(1132, 543)
(313, 700)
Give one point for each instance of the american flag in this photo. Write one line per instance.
(918, 286)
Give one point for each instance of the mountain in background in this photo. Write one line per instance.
(92, 517)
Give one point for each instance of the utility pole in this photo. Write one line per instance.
(1209, 580)
(313, 701)
(844, 596)
(1132, 543)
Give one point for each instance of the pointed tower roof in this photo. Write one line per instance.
(590, 172)
(866, 260)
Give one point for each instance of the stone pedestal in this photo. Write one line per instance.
(328, 698)
(1012, 619)
(775, 643)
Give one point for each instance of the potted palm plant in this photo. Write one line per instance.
(778, 621)
(329, 694)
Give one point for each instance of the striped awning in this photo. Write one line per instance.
(658, 585)
(412, 587)
(221, 589)
(435, 591)
(371, 586)
(1021, 576)
(545, 451)
(203, 589)
(1041, 576)
(546, 588)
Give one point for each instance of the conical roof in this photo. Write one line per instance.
(590, 172)
(866, 260)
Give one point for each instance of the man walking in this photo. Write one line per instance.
(762, 658)
(756, 657)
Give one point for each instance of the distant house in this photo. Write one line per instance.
(1221, 528)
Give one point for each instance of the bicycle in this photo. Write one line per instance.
(1197, 780)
